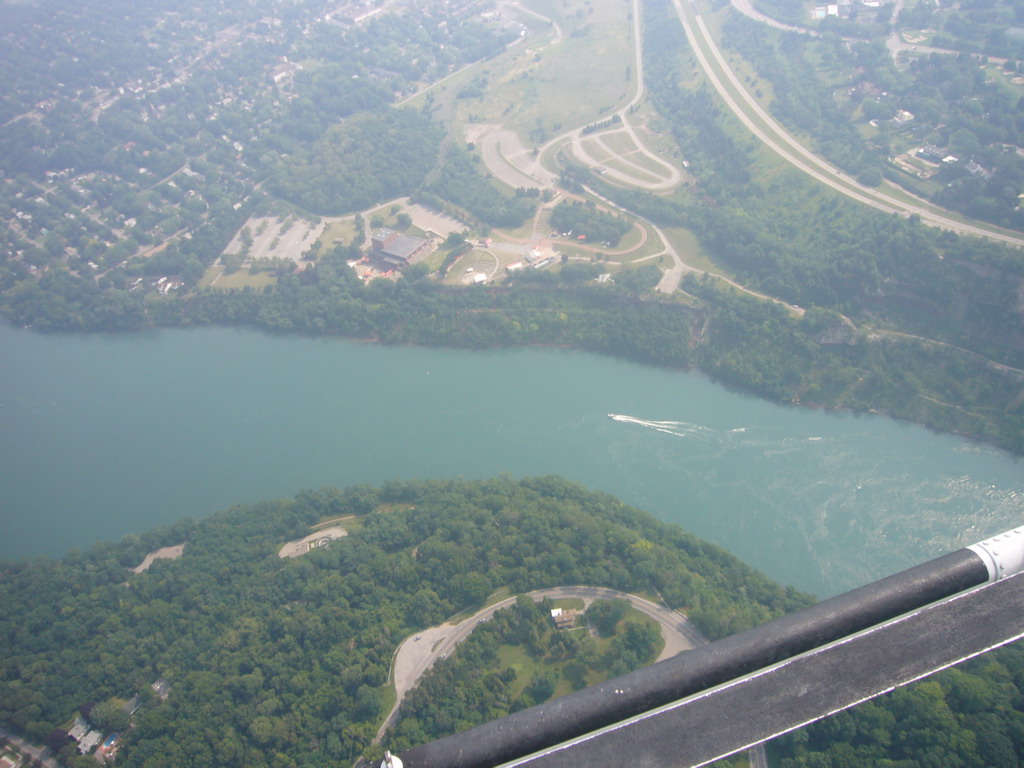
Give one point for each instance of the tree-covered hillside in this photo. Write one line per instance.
(968, 716)
(274, 661)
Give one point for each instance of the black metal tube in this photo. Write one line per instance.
(601, 705)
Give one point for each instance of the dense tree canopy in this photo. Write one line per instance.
(461, 182)
(478, 685)
(272, 660)
(589, 222)
(370, 158)
(970, 715)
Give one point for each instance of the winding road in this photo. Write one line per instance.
(769, 132)
(417, 653)
(510, 161)
(672, 176)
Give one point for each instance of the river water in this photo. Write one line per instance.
(102, 435)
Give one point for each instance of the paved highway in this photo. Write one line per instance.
(762, 125)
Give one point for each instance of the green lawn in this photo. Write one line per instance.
(515, 657)
(239, 279)
(598, 151)
(524, 231)
(632, 238)
(619, 142)
(577, 81)
(689, 250)
(1012, 82)
(435, 259)
(633, 171)
(339, 231)
(648, 163)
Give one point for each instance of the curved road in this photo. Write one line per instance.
(671, 175)
(894, 42)
(520, 167)
(507, 158)
(754, 117)
(417, 653)
(747, 9)
(674, 177)
(42, 754)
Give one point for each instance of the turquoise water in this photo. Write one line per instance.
(106, 435)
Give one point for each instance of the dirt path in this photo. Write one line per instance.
(164, 553)
(318, 538)
(878, 332)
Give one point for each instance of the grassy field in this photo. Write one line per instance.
(435, 260)
(632, 238)
(618, 142)
(648, 163)
(527, 667)
(596, 149)
(215, 277)
(1011, 82)
(618, 150)
(641, 255)
(633, 171)
(689, 250)
(540, 90)
(338, 231)
(524, 231)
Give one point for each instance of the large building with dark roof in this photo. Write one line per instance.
(391, 250)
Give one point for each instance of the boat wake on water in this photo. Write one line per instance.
(677, 428)
(687, 429)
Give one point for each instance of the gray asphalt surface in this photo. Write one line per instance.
(417, 653)
(753, 116)
(805, 688)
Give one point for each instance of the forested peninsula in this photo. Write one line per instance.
(264, 660)
(234, 655)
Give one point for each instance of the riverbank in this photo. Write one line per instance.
(819, 360)
(328, 411)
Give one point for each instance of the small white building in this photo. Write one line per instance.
(89, 741)
(79, 729)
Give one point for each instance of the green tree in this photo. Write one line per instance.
(110, 715)
(541, 687)
(605, 615)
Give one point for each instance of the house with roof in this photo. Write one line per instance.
(931, 152)
(89, 741)
(79, 729)
(161, 688)
(564, 618)
(975, 169)
(392, 250)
